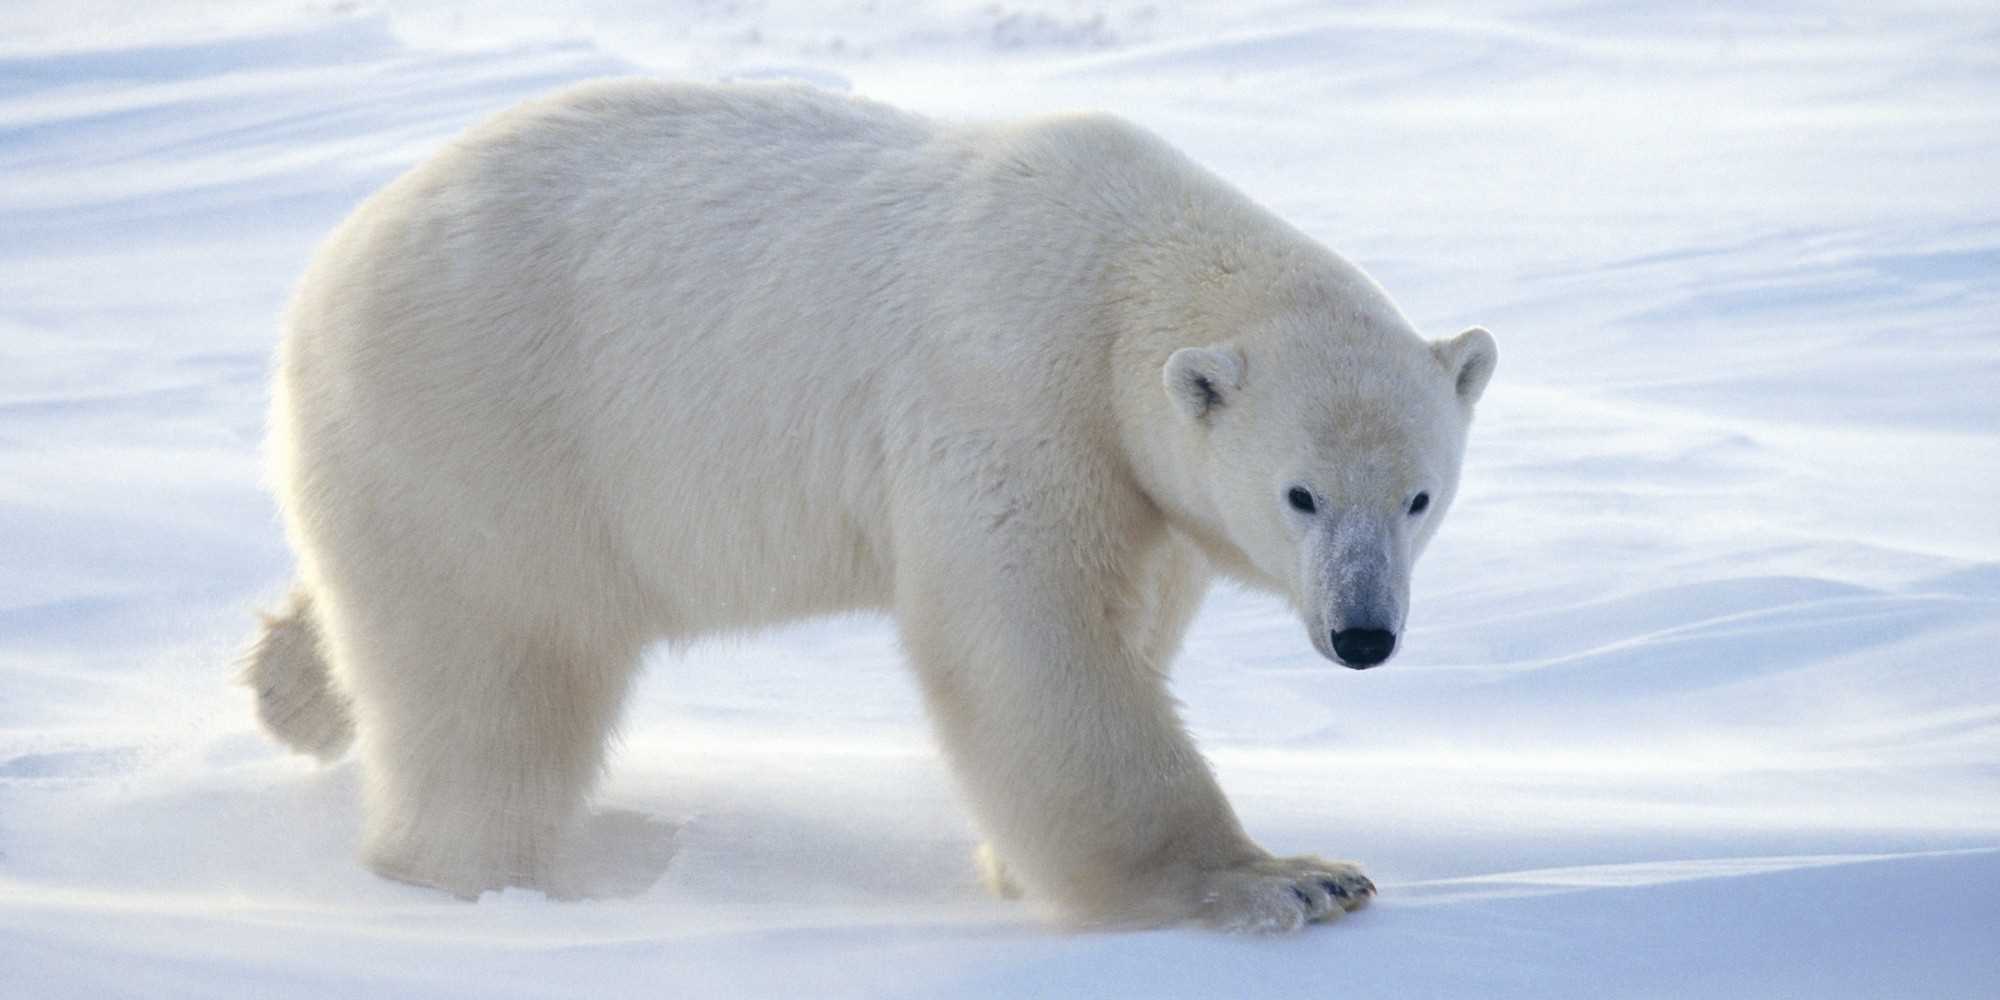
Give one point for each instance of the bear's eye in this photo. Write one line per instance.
(1418, 505)
(1300, 500)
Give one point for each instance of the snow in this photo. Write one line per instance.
(1700, 695)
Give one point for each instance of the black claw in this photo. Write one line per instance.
(1334, 889)
(1304, 900)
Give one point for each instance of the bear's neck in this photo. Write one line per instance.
(1215, 270)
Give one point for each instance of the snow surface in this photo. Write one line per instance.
(1700, 695)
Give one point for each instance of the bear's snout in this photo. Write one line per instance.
(1362, 648)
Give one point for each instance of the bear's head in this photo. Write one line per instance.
(1322, 452)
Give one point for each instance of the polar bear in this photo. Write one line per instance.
(646, 361)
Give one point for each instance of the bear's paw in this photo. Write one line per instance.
(1277, 895)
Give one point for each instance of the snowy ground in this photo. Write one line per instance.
(1701, 695)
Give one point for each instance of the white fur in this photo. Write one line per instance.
(645, 361)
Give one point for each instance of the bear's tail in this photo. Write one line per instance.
(296, 697)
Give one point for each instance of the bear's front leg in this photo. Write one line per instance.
(1075, 762)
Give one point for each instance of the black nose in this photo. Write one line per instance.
(1362, 648)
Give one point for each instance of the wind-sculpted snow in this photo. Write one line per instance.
(1699, 695)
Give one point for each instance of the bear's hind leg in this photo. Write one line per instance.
(479, 747)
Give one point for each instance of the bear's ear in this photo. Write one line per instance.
(1470, 358)
(1199, 379)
